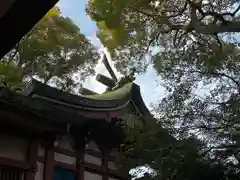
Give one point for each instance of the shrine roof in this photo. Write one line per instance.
(103, 102)
(116, 94)
(53, 102)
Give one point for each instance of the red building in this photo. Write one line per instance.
(48, 134)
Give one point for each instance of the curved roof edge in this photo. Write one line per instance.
(114, 99)
(38, 96)
(139, 102)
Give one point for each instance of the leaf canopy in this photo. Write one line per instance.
(54, 50)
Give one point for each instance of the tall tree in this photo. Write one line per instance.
(191, 45)
(166, 157)
(135, 27)
(186, 59)
(55, 49)
(10, 75)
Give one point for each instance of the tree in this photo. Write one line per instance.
(10, 75)
(53, 50)
(204, 17)
(191, 45)
(169, 158)
(162, 25)
(190, 52)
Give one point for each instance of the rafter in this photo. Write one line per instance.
(105, 80)
(109, 68)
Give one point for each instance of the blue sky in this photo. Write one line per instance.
(75, 9)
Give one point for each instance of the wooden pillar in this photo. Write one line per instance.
(105, 165)
(79, 163)
(49, 160)
(32, 159)
(79, 135)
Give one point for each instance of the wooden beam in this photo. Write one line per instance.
(79, 163)
(15, 163)
(86, 166)
(5, 5)
(19, 19)
(27, 120)
(105, 165)
(49, 160)
(87, 92)
(32, 158)
(109, 68)
(86, 151)
(105, 80)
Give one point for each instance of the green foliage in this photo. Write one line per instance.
(170, 158)
(169, 24)
(55, 49)
(117, 31)
(10, 75)
(111, 38)
(195, 58)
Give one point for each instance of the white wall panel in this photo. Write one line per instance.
(111, 165)
(64, 158)
(92, 145)
(113, 179)
(39, 173)
(66, 142)
(92, 176)
(92, 159)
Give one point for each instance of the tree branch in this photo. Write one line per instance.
(219, 74)
(148, 46)
(232, 146)
(16, 51)
(235, 12)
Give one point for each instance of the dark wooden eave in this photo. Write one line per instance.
(13, 116)
(38, 90)
(51, 99)
(18, 19)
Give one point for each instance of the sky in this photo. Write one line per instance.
(75, 9)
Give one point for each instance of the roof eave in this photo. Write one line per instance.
(19, 19)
